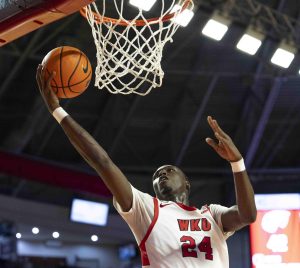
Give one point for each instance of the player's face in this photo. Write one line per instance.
(169, 181)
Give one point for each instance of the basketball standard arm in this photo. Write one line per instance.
(88, 148)
(244, 212)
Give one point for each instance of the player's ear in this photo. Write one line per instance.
(188, 185)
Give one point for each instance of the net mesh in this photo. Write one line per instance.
(129, 54)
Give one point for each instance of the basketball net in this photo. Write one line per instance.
(129, 52)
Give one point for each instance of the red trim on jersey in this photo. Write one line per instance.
(208, 209)
(185, 207)
(142, 246)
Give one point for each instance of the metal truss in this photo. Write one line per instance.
(270, 21)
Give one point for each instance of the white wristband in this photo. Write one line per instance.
(59, 114)
(238, 166)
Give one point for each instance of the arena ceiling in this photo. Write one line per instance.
(255, 102)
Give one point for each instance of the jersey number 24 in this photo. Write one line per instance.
(189, 247)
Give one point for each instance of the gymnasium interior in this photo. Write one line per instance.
(254, 99)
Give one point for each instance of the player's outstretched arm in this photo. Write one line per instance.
(244, 212)
(89, 149)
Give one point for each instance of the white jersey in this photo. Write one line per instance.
(174, 235)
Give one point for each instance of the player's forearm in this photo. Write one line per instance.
(85, 144)
(97, 158)
(244, 197)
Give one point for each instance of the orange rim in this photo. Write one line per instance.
(99, 19)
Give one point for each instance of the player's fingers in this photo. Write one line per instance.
(215, 127)
(38, 70)
(220, 138)
(223, 142)
(219, 130)
(211, 123)
(53, 74)
(39, 82)
(48, 82)
(41, 77)
(212, 143)
(38, 74)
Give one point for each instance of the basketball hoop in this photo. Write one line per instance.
(129, 51)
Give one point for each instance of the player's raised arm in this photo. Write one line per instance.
(244, 212)
(86, 145)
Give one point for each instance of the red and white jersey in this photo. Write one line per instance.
(173, 235)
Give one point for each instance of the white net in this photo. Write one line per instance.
(129, 56)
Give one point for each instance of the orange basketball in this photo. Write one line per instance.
(73, 71)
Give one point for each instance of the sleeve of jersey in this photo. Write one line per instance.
(217, 211)
(139, 217)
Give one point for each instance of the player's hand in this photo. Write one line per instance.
(225, 146)
(46, 91)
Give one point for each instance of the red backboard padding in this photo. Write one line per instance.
(33, 18)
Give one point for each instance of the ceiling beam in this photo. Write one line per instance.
(123, 127)
(253, 100)
(274, 92)
(279, 136)
(196, 120)
(245, 128)
(13, 73)
(282, 132)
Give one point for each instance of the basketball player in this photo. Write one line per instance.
(169, 232)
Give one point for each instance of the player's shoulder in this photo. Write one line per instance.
(211, 208)
(204, 209)
(217, 209)
(140, 194)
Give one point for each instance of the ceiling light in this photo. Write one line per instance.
(55, 235)
(216, 27)
(35, 230)
(145, 5)
(183, 18)
(284, 55)
(250, 42)
(94, 238)
(18, 235)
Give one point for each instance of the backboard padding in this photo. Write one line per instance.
(33, 17)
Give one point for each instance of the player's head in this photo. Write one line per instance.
(169, 182)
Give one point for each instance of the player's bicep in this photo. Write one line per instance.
(231, 220)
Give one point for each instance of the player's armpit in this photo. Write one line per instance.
(118, 184)
(231, 220)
